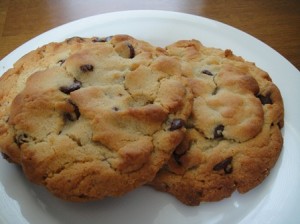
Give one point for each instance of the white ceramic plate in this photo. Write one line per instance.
(276, 200)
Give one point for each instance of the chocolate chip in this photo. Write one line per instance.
(87, 68)
(98, 39)
(183, 147)
(207, 72)
(176, 124)
(131, 51)
(115, 108)
(180, 150)
(78, 39)
(72, 116)
(218, 132)
(177, 158)
(225, 165)
(68, 116)
(102, 39)
(215, 91)
(68, 89)
(21, 139)
(61, 61)
(125, 50)
(265, 99)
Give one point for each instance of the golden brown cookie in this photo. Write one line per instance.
(233, 135)
(13, 81)
(99, 120)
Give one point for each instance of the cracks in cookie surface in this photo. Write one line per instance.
(64, 167)
(229, 147)
(85, 144)
(225, 156)
(75, 139)
(91, 155)
(216, 85)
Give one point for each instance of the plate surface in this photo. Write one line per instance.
(276, 200)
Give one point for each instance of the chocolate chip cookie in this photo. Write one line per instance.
(13, 81)
(233, 135)
(98, 117)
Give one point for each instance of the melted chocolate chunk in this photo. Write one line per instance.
(218, 132)
(87, 68)
(61, 61)
(21, 139)
(78, 39)
(181, 150)
(207, 72)
(102, 39)
(125, 50)
(215, 91)
(76, 113)
(265, 99)
(115, 108)
(68, 89)
(225, 165)
(69, 117)
(176, 124)
(131, 51)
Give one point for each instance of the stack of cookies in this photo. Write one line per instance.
(90, 118)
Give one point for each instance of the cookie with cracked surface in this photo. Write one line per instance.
(233, 135)
(13, 81)
(103, 122)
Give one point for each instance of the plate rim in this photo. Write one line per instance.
(144, 13)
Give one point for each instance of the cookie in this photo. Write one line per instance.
(13, 81)
(100, 121)
(233, 136)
